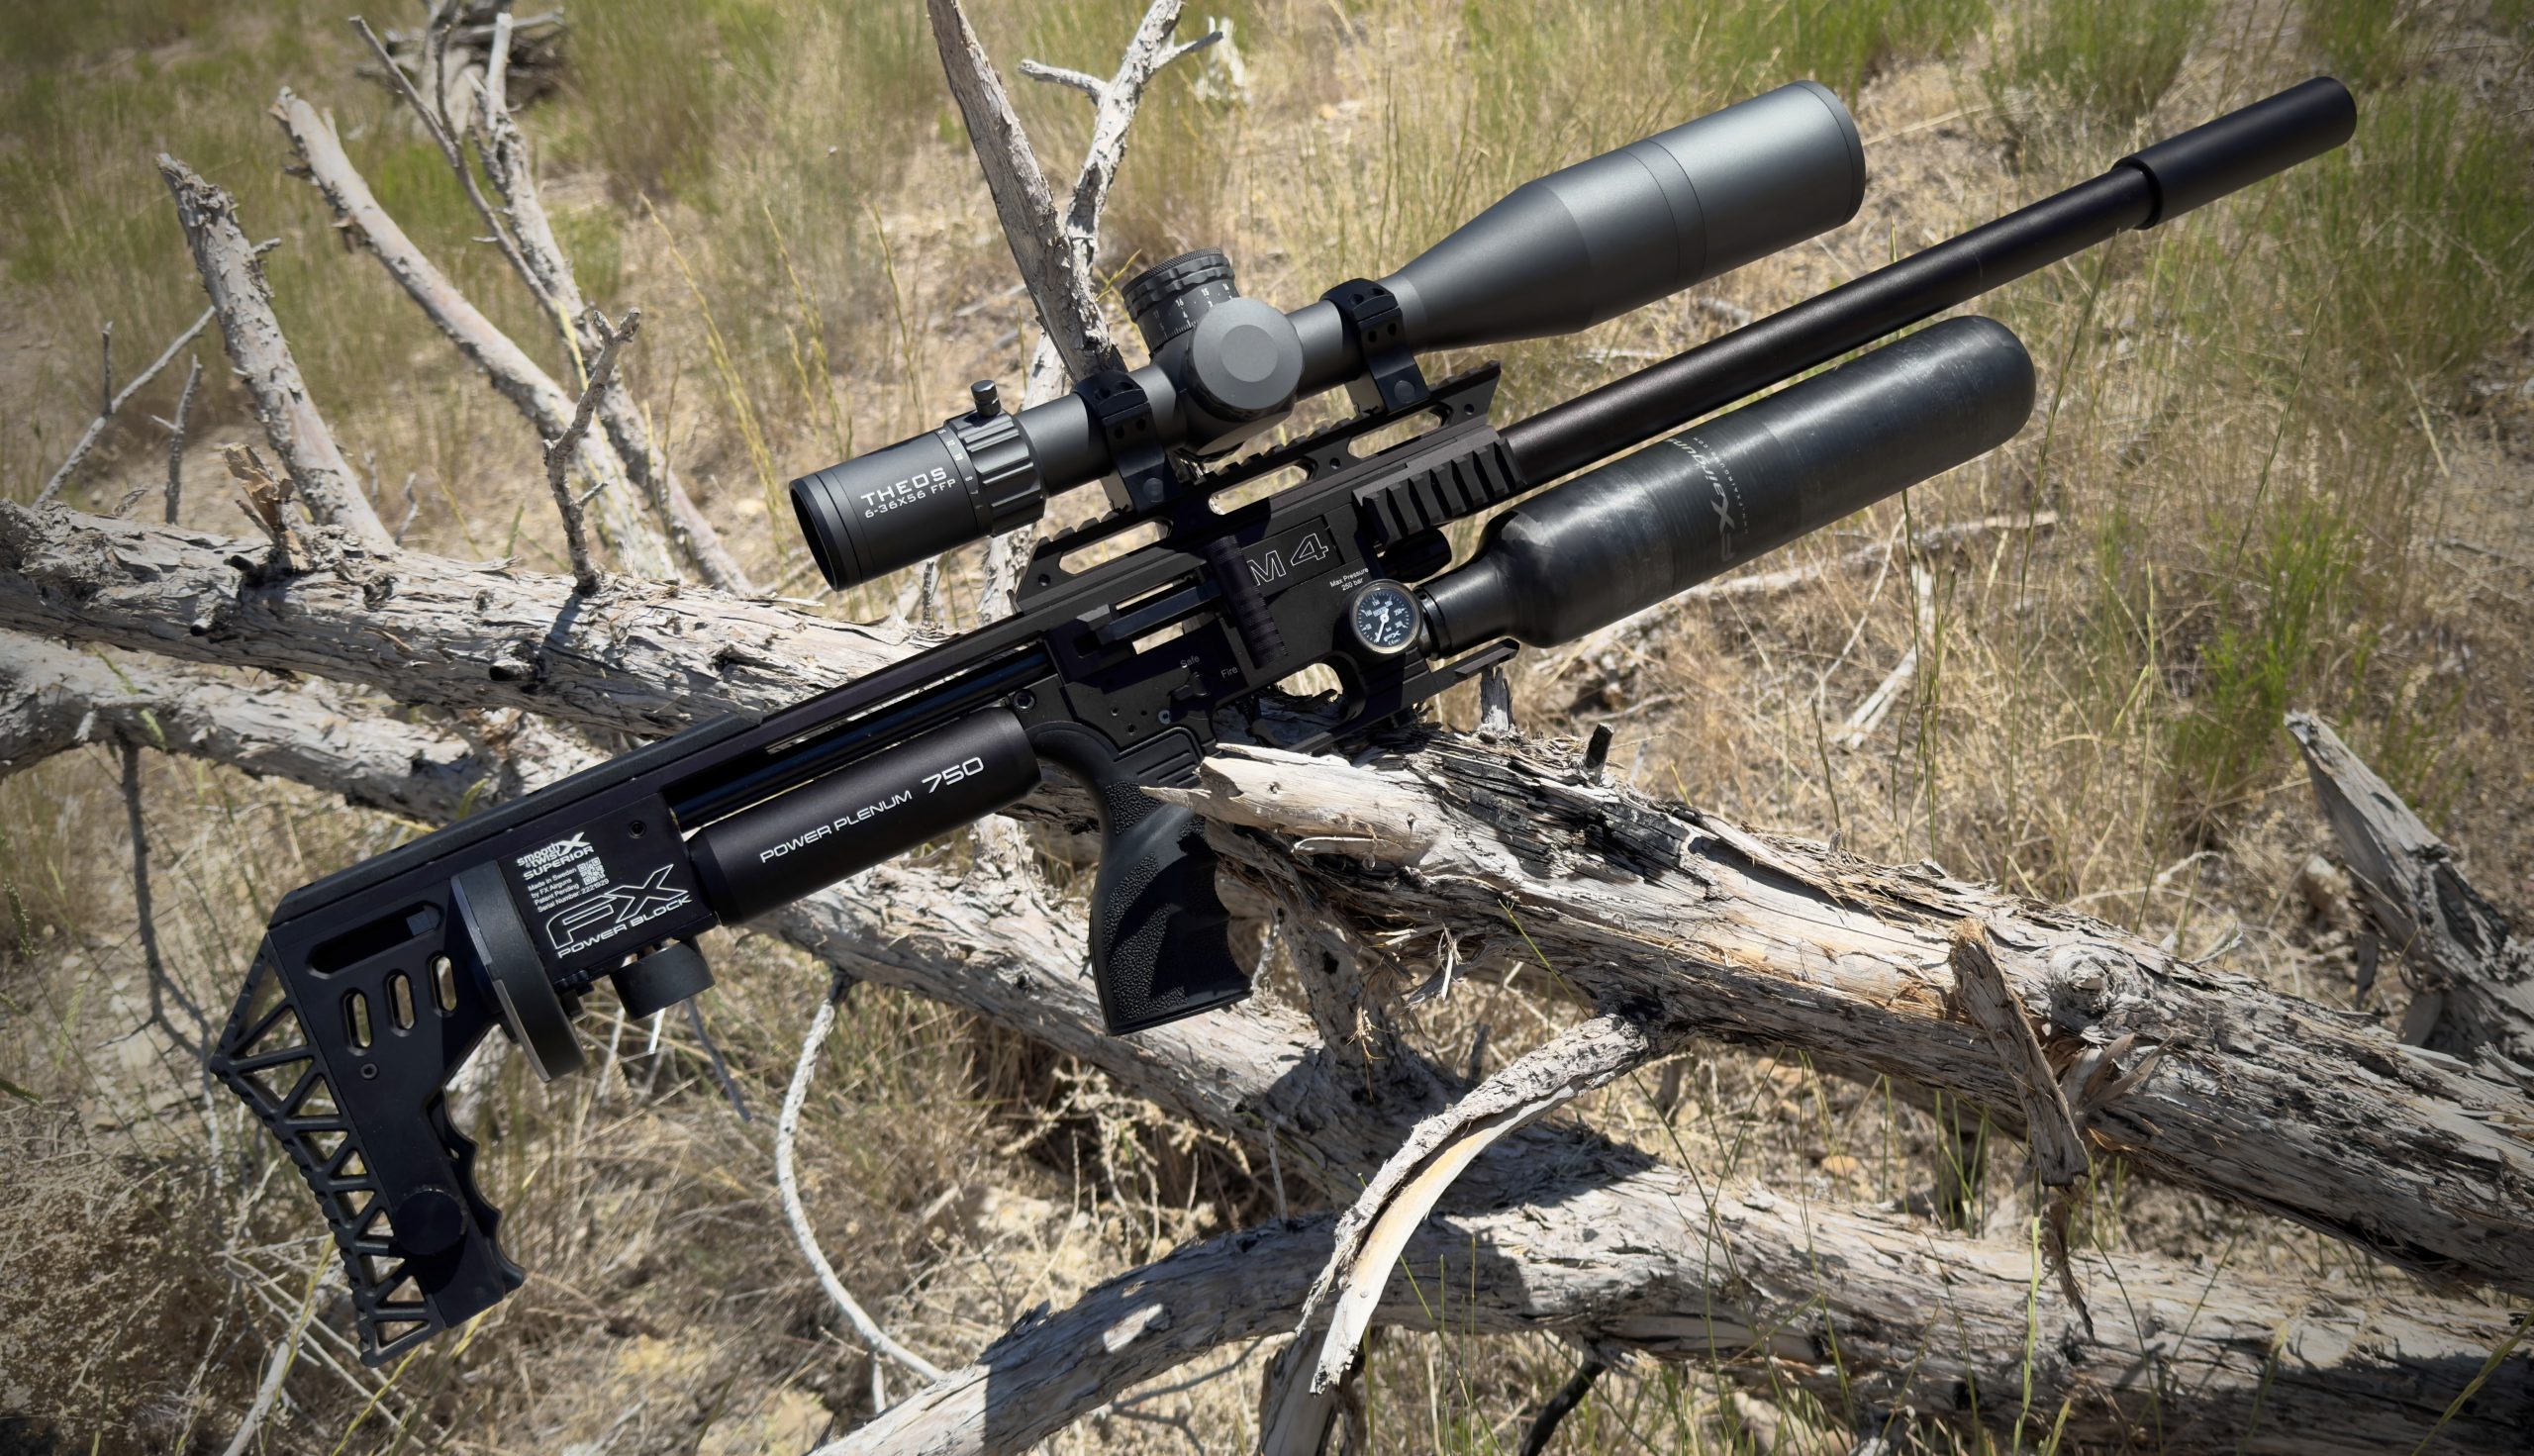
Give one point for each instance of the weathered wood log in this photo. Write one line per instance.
(638, 657)
(1695, 924)
(54, 697)
(1589, 1241)
(2473, 978)
(1854, 1307)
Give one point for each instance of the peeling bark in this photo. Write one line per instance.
(2460, 949)
(1696, 925)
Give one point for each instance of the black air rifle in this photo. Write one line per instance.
(373, 985)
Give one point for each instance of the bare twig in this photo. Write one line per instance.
(435, 120)
(163, 987)
(112, 399)
(1544, 1425)
(558, 450)
(284, 1355)
(176, 442)
(1876, 705)
(1089, 85)
(712, 1057)
(787, 1127)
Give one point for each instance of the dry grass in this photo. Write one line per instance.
(2286, 442)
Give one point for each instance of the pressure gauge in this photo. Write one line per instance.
(1383, 618)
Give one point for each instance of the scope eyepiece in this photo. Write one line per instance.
(893, 507)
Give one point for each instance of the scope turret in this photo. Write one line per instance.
(1559, 253)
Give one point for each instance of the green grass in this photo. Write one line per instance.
(2370, 44)
(2286, 622)
(2413, 240)
(2111, 63)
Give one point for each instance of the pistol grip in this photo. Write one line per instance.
(1160, 943)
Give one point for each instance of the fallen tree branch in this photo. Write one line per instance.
(2255, 1096)
(1765, 1289)
(548, 406)
(2394, 1149)
(54, 697)
(1303, 1393)
(2476, 977)
(645, 660)
(1059, 282)
(232, 274)
(504, 150)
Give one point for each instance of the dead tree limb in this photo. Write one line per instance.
(547, 405)
(1658, 1262)
(558, 450)
(2232, 1087)
(646, 659)
(505, 153)
(233, 275)
(2253, 1096)
(2472, 978)
(1054, 254)
(1059, 285)
(54, 697)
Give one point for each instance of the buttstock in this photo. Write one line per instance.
(342, 1048)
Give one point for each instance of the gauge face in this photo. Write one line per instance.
(1383, 618)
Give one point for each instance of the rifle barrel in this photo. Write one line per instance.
(2141, 190)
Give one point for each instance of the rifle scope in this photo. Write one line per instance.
(1558, 253)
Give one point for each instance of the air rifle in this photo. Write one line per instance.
(374, 984)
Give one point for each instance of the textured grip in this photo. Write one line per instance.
(1160, 948)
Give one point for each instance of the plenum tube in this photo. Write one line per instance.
(807, 839)
(1619, 539)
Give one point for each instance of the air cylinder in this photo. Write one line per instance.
(1621, 538)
